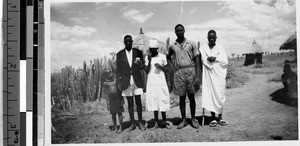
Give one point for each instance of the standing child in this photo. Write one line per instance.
(157, 93)
(116, 100)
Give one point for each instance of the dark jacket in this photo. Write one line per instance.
(124, 71)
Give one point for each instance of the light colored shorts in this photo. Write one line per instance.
(132, 90)
(184, 81)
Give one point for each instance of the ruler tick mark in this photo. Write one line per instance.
(8, 115)
(10, 85)
(12, 40)
(12, 100)
(13, 11)
(13, 70)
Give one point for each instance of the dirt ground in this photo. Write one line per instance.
(253, 115)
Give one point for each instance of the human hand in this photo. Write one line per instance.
(122, 101)
(137, 60)
(197, 81)
(197, 84)
(157, 65)
(149, 57)
(211, 59)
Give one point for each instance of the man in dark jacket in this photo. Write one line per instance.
(130, 63)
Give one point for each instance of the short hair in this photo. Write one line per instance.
(127, 36)
(212, 31)
(179, 25)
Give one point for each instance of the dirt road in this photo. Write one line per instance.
(251, 114)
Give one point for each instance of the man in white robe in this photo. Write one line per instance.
(214, 72)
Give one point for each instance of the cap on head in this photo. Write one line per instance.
(153, 44)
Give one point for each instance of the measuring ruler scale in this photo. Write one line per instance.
(11, 72)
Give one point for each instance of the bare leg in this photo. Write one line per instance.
(138, 103)
(156, 119)
(121, 123)
(131, 112)
(192, 105)
(113, 115)
(182, 111)
(194, 122)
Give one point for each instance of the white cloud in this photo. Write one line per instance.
(62, 32)
(73, 45)
(79, 20)
(136, 15)
(192, 11)
(244, 21)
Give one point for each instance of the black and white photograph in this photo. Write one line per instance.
(172, 71)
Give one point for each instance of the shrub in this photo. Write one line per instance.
(235, 77)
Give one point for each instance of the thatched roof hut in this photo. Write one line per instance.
(142, 43)
(290, 44)
(253, 54)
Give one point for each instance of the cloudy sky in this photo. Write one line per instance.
(82, 31)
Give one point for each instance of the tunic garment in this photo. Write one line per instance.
(157, 93)
(115, 98)
(213, 78)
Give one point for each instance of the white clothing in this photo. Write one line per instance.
(213, 78)
(129, 58)
(132, 90)
(157, 92)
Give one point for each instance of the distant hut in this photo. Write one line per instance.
(142, 43)
(290, 44)
(253, 54)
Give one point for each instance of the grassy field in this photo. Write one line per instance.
(253, 114)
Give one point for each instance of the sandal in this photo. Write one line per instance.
(213, 123)
(223, 122)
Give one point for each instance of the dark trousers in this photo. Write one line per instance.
(138, 103)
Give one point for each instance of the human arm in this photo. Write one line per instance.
(148, 63)
(170, 53)
(221, 57)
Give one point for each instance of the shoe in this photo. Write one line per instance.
(114, 128)
(223, 122)
(194, 123)
(182, 124)
(132, 127)
(213, 123)
(165, 124)
(120, 130)
(142, 127)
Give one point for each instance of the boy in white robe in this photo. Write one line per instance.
(214, 72)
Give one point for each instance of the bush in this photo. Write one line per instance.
(235, 77)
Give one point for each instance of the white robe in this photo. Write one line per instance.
(157, 92)
(213, 78)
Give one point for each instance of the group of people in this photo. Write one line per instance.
(189, 62)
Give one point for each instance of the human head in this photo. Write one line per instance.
(128, 42)
(212, 37)
(153, 46)
(179, 31)
(287, 68)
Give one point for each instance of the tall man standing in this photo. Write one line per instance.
(187, 74)
(130, 62)
(215, 62)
